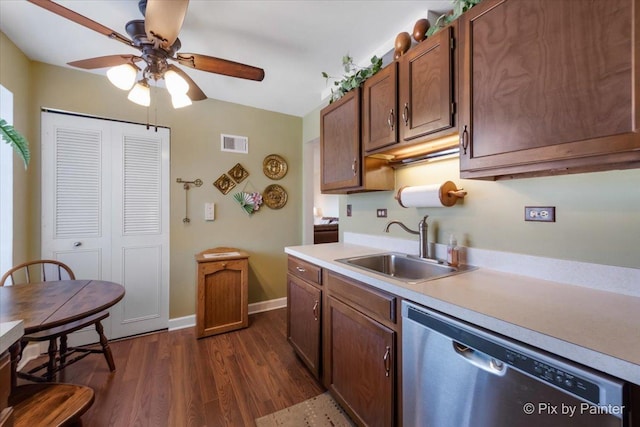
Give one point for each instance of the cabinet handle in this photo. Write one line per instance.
(77, 244)
(464, 140)
(387, 361)
(391, 119)
(405, 114)
(300, 269)
(315, 310)
(354, 167)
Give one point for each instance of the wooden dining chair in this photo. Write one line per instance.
(59, 358)
(46, 405)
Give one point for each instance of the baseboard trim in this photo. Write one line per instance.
(256, 307)
(30, 352)
(274, 304)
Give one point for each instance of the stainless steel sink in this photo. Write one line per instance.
(404, 267)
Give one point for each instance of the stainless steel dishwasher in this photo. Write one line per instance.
(458, 375)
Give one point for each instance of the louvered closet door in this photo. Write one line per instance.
(105, 204)
(140, 233)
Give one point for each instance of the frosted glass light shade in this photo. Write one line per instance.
(180, 100)
(140, 94)
(123, 76)
(175, 83)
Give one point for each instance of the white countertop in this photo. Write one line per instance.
(593, 327)
(10, 332)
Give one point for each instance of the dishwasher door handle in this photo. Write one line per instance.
(480, 360)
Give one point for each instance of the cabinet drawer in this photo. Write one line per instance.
(305, 270)
(378, 304)
(5, 380)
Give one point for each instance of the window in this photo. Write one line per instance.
(6, 186)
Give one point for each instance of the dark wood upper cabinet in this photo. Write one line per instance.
(412, 100)
(548, 87)
(344, 168)
(380, 109)
(340, 143)
(426, 87)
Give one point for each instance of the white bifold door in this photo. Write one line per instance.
(105, 213)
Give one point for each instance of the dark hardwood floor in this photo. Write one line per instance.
(173, 379)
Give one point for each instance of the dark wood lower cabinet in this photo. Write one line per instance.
(361, 367)
(304, 325)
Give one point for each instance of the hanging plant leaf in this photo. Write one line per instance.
(16, 140)
(354, 76)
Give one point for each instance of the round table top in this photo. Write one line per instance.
(46, 305)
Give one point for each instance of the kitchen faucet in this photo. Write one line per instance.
(422, 232)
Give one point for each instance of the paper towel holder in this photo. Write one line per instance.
(448, 194)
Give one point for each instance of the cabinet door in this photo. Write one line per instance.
(426, 91)
(547, 87)
(362, 364)
(380, 109)
(222, 304)
(303, 321)
(340, 143)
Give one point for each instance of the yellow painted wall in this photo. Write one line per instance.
(598, 214)
(195, 153)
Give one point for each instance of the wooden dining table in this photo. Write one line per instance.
(50, 304)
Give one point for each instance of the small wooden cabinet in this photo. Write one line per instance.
(223, 289)
(360, 350)
(344, 168)
(304, 312)
(548, 89)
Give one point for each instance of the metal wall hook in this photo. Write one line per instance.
(187, 185)
(197, 182)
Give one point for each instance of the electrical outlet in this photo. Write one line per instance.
(348, 210)
(540, 213)
(381, 213)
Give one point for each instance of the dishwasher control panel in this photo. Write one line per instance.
(553, 375)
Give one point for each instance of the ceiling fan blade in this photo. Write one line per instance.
(104, 61)
(220, 66)
(163, 20)
(194, 93)
(82, 20)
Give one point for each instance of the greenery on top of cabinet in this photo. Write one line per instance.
(354, 76)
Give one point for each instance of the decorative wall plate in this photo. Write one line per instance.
(274, 196)
(274, 166)
(224, 184)
(238, 173)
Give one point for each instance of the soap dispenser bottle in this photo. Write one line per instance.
(453, 252)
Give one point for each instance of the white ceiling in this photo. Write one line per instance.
(292, 40)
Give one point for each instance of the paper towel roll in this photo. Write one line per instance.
(425, 196)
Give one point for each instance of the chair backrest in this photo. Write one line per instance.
(43, 270)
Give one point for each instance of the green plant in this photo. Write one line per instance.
(16, 140)
(459, 7)
(354, 76)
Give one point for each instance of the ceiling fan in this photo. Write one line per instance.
(157, 38)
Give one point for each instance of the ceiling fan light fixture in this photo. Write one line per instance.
(123, 76)
(140, 94)
(180, 100)
(176, 85)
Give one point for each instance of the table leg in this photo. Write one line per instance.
(14, 350)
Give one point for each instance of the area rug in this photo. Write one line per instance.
(318, 411)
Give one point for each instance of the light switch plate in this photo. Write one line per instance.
(209, 211)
